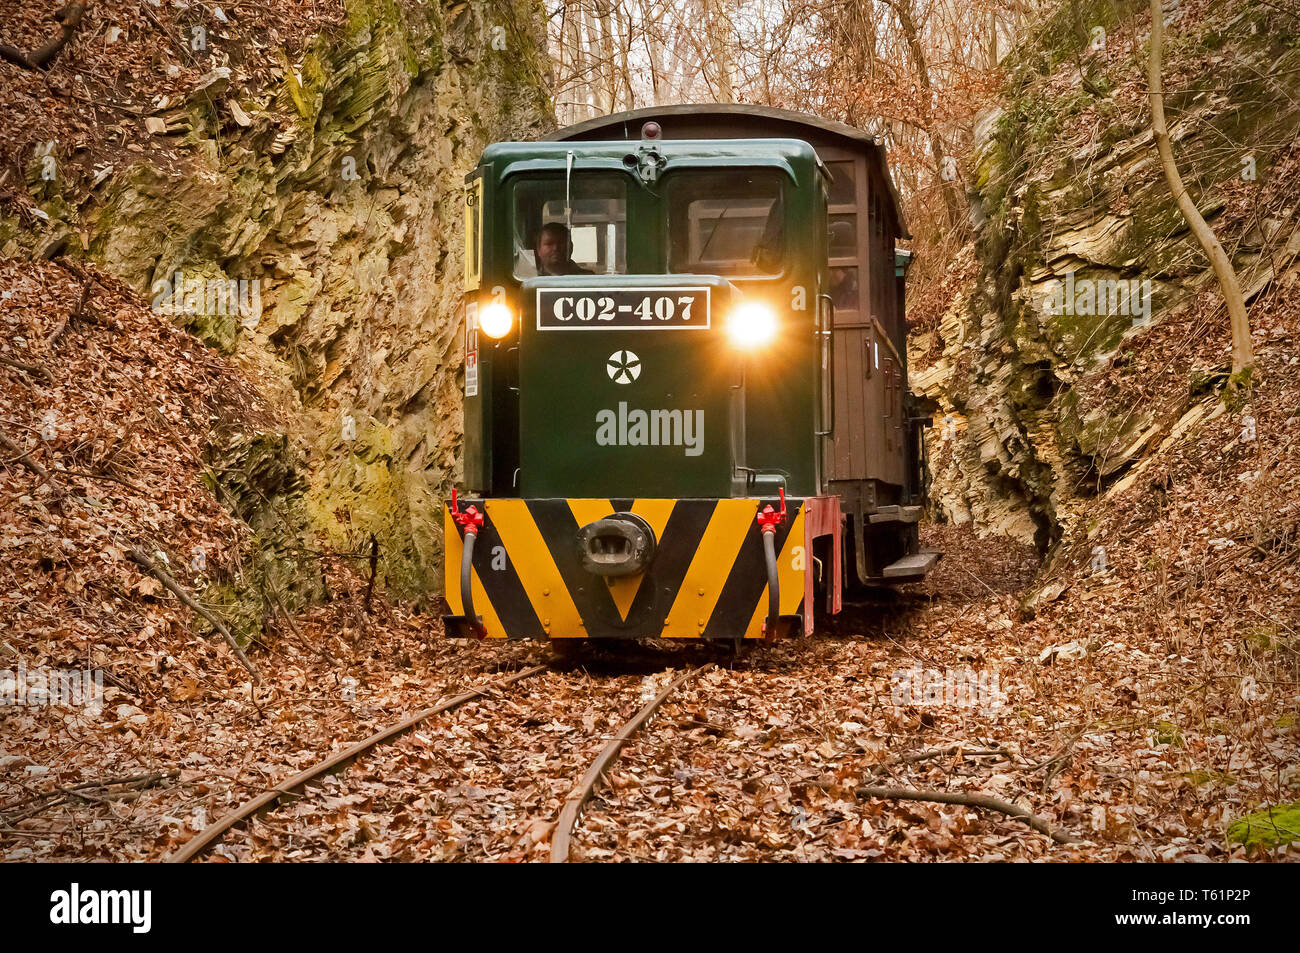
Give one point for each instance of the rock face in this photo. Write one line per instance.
(336, 199)
(1081, 256)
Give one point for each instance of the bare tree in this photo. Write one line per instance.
(1242, 357)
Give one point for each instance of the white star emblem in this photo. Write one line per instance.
(624, 367)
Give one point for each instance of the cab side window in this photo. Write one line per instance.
(726, 223)
(590, 239)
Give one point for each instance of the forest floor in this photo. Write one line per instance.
(756, 760)
(1143, 706)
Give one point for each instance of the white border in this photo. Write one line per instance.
(662, 289)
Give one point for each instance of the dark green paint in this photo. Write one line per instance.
(539, 392)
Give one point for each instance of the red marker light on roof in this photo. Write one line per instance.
(650, 130)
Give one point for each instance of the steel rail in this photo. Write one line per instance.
(580, 795)
(209, 835)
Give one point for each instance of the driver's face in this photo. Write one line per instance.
(551, 250)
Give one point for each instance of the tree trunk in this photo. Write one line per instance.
(717, 26)
(947, 182)
(1242, 358)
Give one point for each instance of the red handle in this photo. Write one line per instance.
(769, 519)
(471, 520)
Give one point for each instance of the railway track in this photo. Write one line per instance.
(573, 805)
(571, 809)
(294, 785)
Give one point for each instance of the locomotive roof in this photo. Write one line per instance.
(737, 120)
(778, 153)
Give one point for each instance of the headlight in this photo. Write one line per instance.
(495, 319)
(751, 325)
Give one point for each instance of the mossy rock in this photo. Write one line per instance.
(1275, 825)
(240, 607)
(1265, 638)
(1201, 776)
(258, 478)
(1167, 733)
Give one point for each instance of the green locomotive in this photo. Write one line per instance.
(685, 397)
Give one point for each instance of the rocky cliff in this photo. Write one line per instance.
(1090, 329)
(323, 190)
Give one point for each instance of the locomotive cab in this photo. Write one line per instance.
(650, 393)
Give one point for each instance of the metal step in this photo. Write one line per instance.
(896, 514)
(911, 568)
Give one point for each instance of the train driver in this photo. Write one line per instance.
(553, 252)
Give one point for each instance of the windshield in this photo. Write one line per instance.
(590, 240)
(725, 223)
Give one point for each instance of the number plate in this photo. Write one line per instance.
(582, 309)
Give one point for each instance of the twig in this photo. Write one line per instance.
(293, 627)
(69, 19)
(1055, 762)
(937, 753)
(29, 368)
(132, 782)
(912, 758)
(374, 568)
(162, 29)
(80, 310)
(970, 800)
(147, 564)
(25, 457)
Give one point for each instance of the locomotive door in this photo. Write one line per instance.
(852, 447)
(868, 378)
(826, 389)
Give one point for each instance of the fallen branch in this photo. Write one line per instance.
(28, 368)
(970, 800)
(46, 475)
(69, 19)
(374, 568)
(130, 783)
(57, 332)
(144, 562)
(25, 457)
(916, 756)
(101, 476)
(913, 758)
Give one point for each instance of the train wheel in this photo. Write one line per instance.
(737, 650)
(567, 650)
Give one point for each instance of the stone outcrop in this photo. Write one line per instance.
(336, 195)
(1081, 255)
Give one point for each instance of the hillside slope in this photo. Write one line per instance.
(311, 152)
(1169, 507)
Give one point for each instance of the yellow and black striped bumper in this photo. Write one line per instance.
(707, 578)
